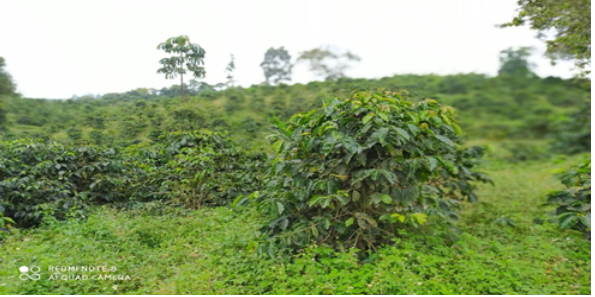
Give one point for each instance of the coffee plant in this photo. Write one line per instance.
(357, 170)
(574, 203)
(45, 179)
(200, 168)
(572, 133)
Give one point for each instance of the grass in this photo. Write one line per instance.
(500, 251)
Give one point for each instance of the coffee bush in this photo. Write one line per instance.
(573, 209)
(358, 169)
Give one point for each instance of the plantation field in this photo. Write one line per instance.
(409, 184)
(500, 250)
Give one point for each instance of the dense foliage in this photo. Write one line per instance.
(570, 21)
(44, 179)
(574, 203)
(201, 168)
(204, 252)
(504, 107)
(359, 169)
(377, 176)
(572, 132)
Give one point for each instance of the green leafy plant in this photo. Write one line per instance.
(189, 57)
(572, 132)
(574, 203)
(358, 169)
(526, 151)
(41, 179)
(199, 168)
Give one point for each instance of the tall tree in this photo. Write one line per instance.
(186, 56)
(569, 20)
(328, 62)
(515, 62)
(229, 71)
(276, 65)
(7, 86)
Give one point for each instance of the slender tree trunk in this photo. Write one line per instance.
(181, 88)
(181, 83)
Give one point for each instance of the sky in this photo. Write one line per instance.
(57, 49)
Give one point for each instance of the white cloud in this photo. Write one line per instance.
(55, 49)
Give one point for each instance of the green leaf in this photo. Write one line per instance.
(432, 163)
(349, 222)
(378, 136)
(235, 202)
(314, 230)
(367, 118)
(355, 195)
(400, 217)
(283, 224)
(326, 223)
(587, 220)
(280, 207)
(383, 116)
(374, 175)
(386, 199)
(365, 217)
(413, 128)
(390, 177)
(421, 218)
(401, 132)
(568, 220)
(314, 200)
(445, 140)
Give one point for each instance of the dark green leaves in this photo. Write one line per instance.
(367, 118)
(401, 132)
(362, 159)
(574, 203)
(445, 140)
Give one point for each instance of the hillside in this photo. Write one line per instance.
(499, 107)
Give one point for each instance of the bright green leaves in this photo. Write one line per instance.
(415, 219)
(349, 222)
(398, 217)
(368, 160)
(419, 218)
(315, 200)
(386, 199)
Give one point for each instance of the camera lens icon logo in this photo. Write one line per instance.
(33, 270)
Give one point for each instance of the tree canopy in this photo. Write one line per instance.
(191, 58)
(515, 62)
(276, 65)
(328, 62)
(7, 86)
(564, 25)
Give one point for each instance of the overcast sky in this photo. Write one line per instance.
(55, 49)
